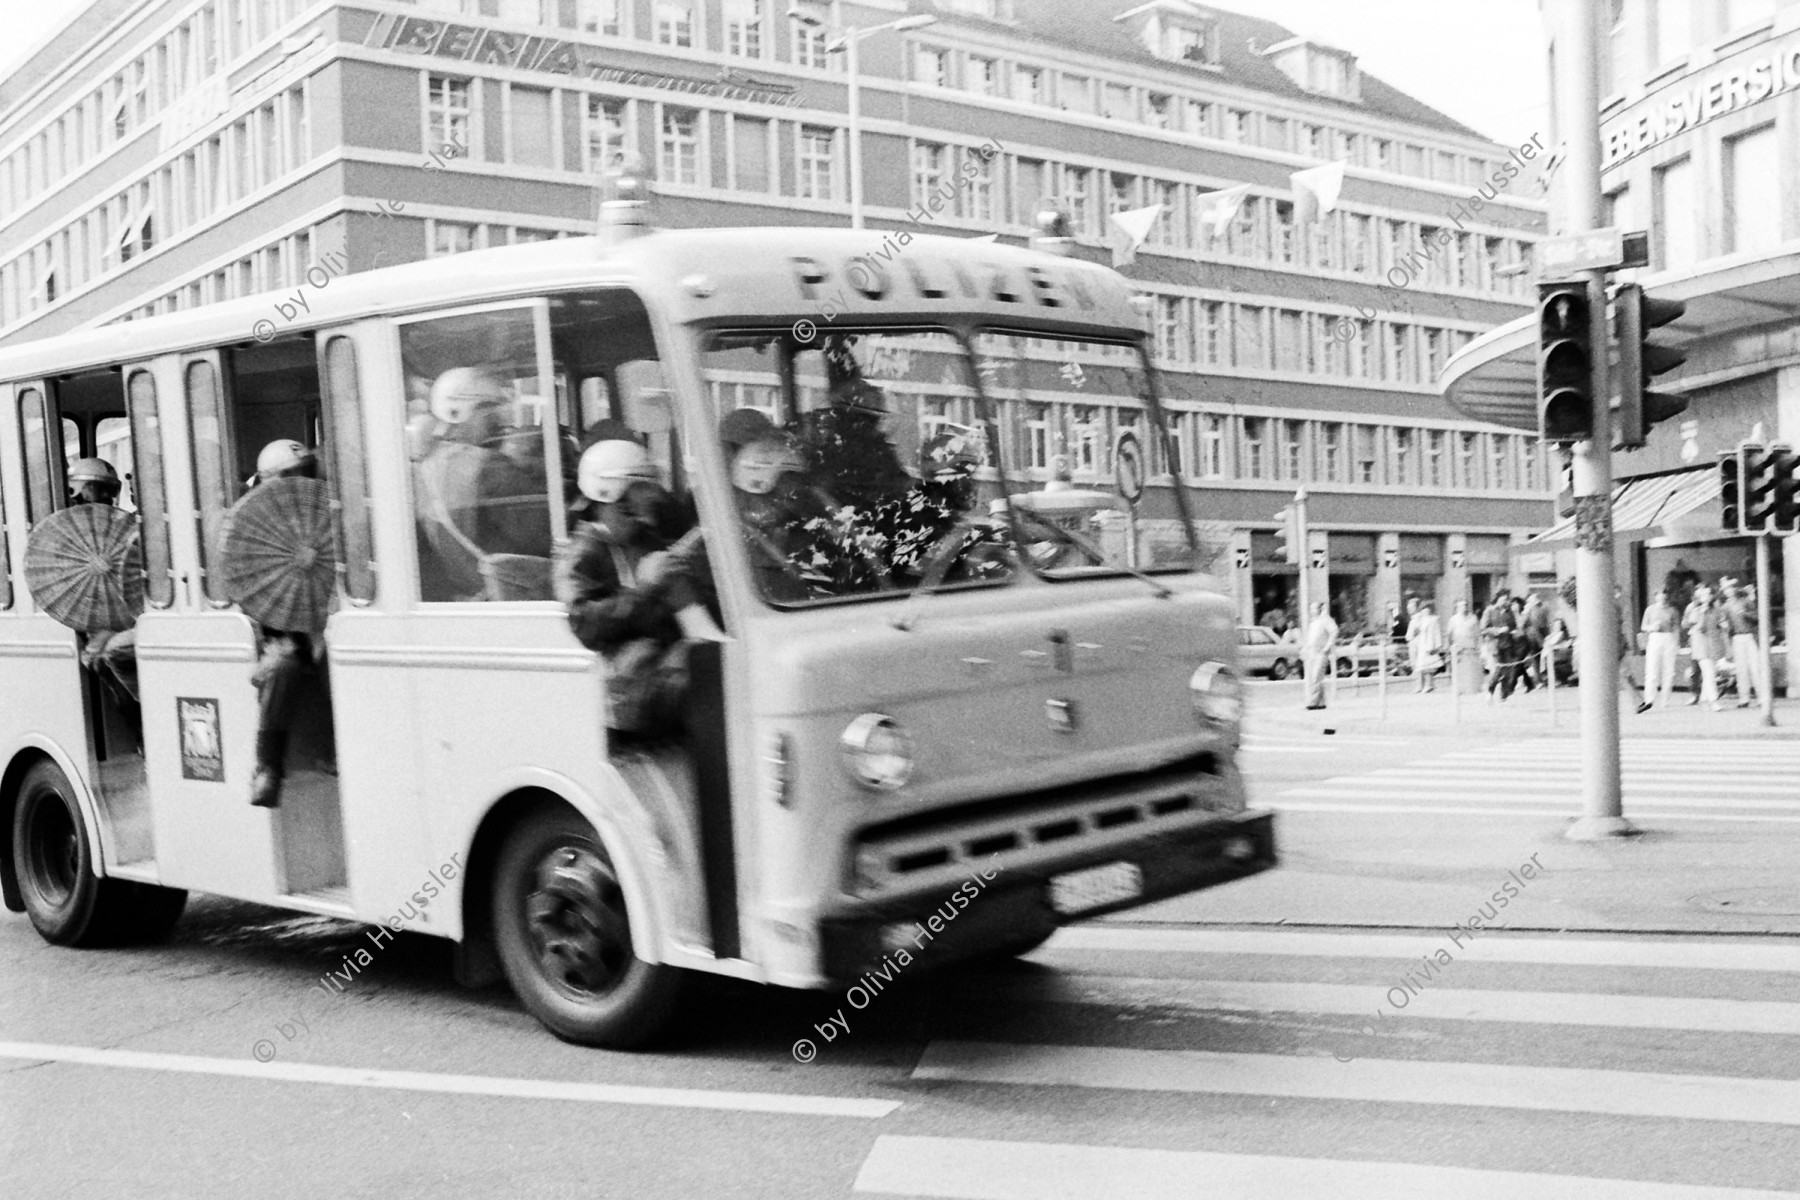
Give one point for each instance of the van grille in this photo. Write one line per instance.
(1120, 806)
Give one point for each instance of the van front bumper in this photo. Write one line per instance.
(1014, 908)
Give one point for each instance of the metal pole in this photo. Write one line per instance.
(1763, 651)
(1602, 805)
(1381, 657)
(854, 103)
(1550, 681)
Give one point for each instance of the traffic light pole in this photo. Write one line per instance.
(1304, 565)
(1763, 631)
(1596, 612)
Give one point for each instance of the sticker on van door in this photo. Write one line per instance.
(201, 755)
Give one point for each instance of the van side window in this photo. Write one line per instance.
(475, 429)
(216, 486)
(112, 443)
(5, 558)
(348, 471)
(148, 492)
(39, 435)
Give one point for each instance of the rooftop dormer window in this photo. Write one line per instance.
(1321, 69)
(1176, 30)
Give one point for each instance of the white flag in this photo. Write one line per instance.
(1316, 191)
(1215, 211)
(1127, 231)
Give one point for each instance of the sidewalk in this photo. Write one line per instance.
(1279, 710)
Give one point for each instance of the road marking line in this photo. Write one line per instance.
(1547, 795)
(1602, 1010)
(1708, 954)
(973, 1169)
(1383, 1080)
(1657, 777)
(1448, 811)
(473, 1085)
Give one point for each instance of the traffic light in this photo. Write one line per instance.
(1640, 361)
(1287, 535)
(1565, 363)
(1731, 497)
(1786, 466)
(1761, 468)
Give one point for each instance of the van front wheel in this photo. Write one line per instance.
(564, 937)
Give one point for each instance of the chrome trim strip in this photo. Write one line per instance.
(574, 662)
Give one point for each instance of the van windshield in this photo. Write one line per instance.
(859, 462)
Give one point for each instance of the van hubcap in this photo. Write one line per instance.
(575, 916)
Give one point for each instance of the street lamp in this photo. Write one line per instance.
(845, 40)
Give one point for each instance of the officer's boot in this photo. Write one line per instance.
(271, 767)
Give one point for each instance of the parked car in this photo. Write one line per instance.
(1361, 655)
(1261, 651)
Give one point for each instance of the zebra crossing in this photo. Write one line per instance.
(1668, 779)
(1550, 1066)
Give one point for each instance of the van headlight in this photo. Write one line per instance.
(1218, 694)
(876, 752)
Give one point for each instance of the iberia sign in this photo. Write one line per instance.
(530, 52)
(1747, 79)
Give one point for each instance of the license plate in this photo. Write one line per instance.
(1079, 891)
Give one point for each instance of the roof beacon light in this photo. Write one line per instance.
(625, 206)
(1054, 233)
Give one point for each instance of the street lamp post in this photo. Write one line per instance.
(845, 41)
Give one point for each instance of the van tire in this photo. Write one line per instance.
(1278, 670)
(564, 936)
(68, 902)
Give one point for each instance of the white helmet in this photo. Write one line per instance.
(756, 468)
(282, 454)
(608, 468)
(461, 391)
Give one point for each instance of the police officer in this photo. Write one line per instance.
(286, 656)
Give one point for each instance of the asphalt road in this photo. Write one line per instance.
(1167, 1058)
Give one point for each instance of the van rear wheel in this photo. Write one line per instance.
(564, 937)
(1278, 670)
(68, 902)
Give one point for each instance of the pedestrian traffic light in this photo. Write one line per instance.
(1785, 464)
(1760, 472)
(1731, 499)
(1565, 363)
(1287, 535)
(1640, 361)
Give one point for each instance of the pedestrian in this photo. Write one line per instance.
(1746, 647)
(1661, 628)
(1706, 626)
(1465, 650)
(1534, 627)
(1425, 646)
(1499, 636)
(1321, 636)
(1627, 648)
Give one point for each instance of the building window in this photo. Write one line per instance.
(1078, 190)
(1256, 433)
(1169, 346)
(679, 146)
(599, 16)
(452, 237)
(1753, 191)
(1159, 110)
(1212, 446)
(1500, 472)
(1468, 464)
(1676, 222)
(978, 187)
(1118, 102)
(1404, 465)
(930, 166)
(1368, 464)
(1190, 43)
(1037, 436)
(1087, 433)
(1293, 449)
(1077, 93)
(1169, 224)
(743, 28)
(931, 66)
(818, 163)
(1237, 125)
(449, 112)
(982, 76)
(675, 22)
(603, 132)
(1028, 84)
(1210, 330)
(1331, 452)
(809, 48)
(1197, 118)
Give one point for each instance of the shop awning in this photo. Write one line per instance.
(1645, 507)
